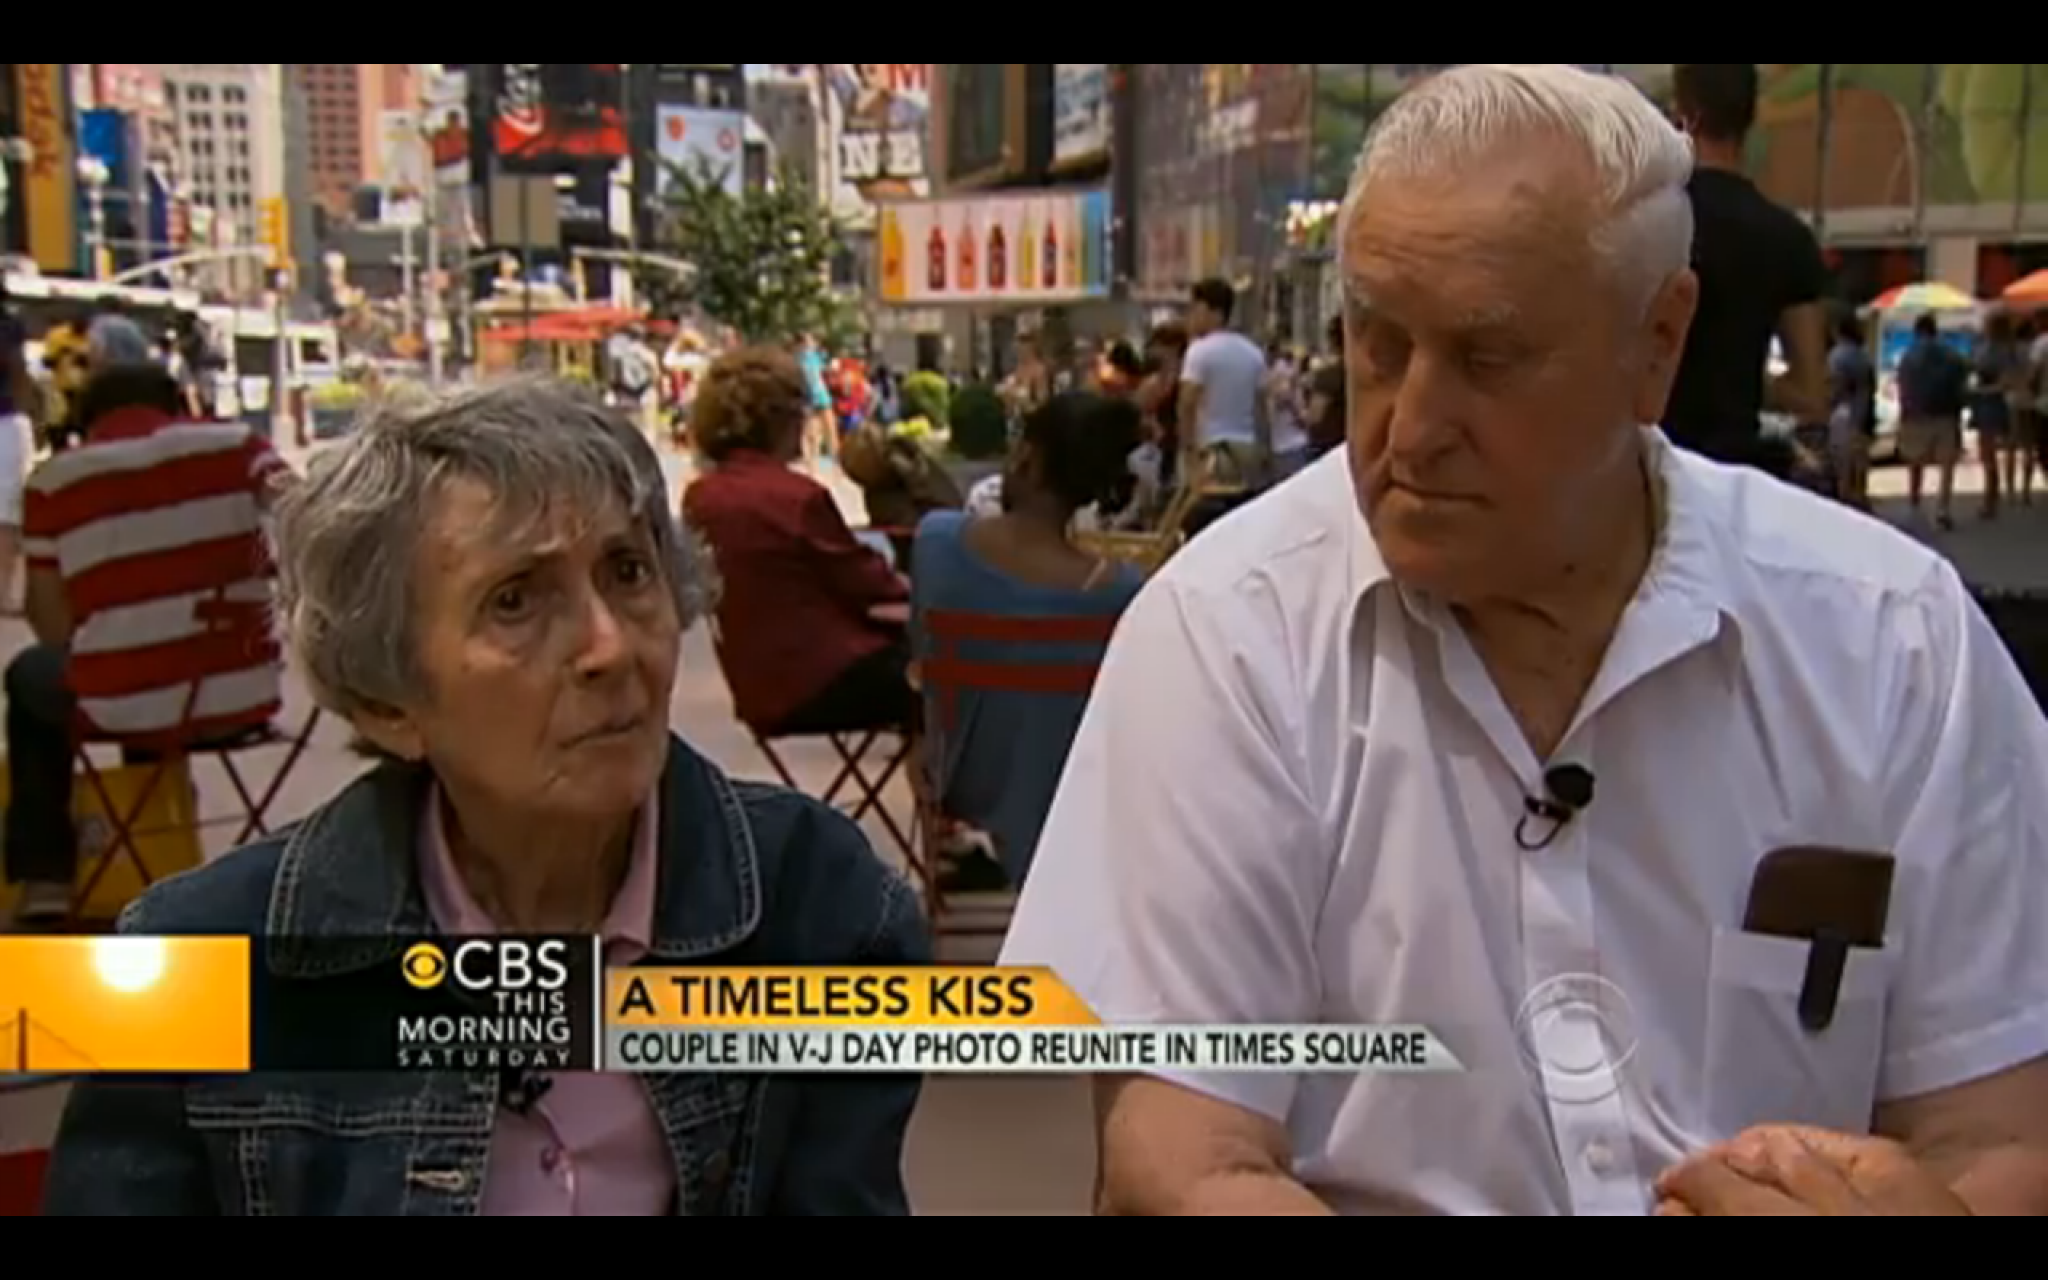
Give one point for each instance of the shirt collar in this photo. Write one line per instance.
(629, 926)
(1684, 566)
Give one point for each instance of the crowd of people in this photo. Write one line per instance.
(1544, 714)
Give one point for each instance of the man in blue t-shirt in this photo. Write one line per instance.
(1934, 388)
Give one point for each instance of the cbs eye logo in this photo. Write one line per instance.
(488, 967)
(425, 967)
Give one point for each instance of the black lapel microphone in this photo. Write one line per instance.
(1568, 792)
(519, 1092)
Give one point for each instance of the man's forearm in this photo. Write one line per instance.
(1249, 1194)
(2009, 1182)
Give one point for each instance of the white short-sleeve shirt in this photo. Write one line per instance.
(1231, 370)
(1295, 795)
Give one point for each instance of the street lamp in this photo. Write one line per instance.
(94, 174)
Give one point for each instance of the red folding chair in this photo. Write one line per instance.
(170, 755)
(946, 675)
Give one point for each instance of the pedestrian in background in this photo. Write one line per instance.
(1762, 276)
(1934, 388)
(1852, 412)
(18, 396)
(1999, 366)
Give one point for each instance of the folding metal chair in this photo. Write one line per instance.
(858, 787)
(946, 675)
(168, 758)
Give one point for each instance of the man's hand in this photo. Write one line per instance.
(1795, 1173)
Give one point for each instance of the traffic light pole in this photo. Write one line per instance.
(280, 354)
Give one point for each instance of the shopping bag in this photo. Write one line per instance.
(165, 835)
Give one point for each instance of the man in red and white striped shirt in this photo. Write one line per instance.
(148, 591)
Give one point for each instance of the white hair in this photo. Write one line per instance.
(1641, 161)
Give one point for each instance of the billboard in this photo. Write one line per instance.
(544, 112)
(1081, 123)
(1027, 248)
(881, 119)
(1221, 150)
(701, 142)
(50, 195)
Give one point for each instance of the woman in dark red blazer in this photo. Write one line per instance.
(799, 636)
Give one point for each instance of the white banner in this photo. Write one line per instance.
(1081, 121)
(1049, 1051)
(696, 140)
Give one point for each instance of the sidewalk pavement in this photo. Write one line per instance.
(2008, 555)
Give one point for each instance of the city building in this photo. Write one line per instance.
(229, 127)
(348, 109)
(137, 89)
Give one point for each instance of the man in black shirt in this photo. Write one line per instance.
(1761, 275)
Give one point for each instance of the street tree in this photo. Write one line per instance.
(763, 258)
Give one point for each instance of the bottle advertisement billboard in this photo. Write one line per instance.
(1028, 249)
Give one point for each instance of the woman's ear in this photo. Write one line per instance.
(391, 731)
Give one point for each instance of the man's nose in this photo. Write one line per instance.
(1427, 405)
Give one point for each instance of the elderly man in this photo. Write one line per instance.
(1340, 766)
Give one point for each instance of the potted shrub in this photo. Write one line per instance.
(334, 408)
(981, 425)
(929, 396)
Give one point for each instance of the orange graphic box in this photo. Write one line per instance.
(124, 1005)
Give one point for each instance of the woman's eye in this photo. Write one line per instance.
(511, 602)
(633, 571)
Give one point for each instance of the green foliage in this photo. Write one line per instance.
(928, 395)
(981, 426)
(762, 258)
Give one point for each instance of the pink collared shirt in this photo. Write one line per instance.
(593, 1147)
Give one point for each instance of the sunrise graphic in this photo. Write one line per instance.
(124, 1005)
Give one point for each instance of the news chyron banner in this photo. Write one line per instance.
(132, 1005)
(216, 1006)
(953, 1022)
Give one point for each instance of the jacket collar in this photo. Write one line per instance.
(347, 896)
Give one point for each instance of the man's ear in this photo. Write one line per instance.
(1666, 327)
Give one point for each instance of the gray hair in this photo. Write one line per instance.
(1641, 162)
(347, 538)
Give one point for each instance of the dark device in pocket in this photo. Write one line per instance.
(1834, 899)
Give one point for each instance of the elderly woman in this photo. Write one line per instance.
(807, 633)
(491, 590)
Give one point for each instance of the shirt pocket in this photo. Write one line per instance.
(1762, 1066)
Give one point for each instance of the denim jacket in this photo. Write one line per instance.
(750, 876)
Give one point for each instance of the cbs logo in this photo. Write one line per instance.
(488, 966)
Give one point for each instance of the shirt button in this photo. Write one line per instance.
(1600, 1158)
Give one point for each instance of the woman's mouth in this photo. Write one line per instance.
(611, 731)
